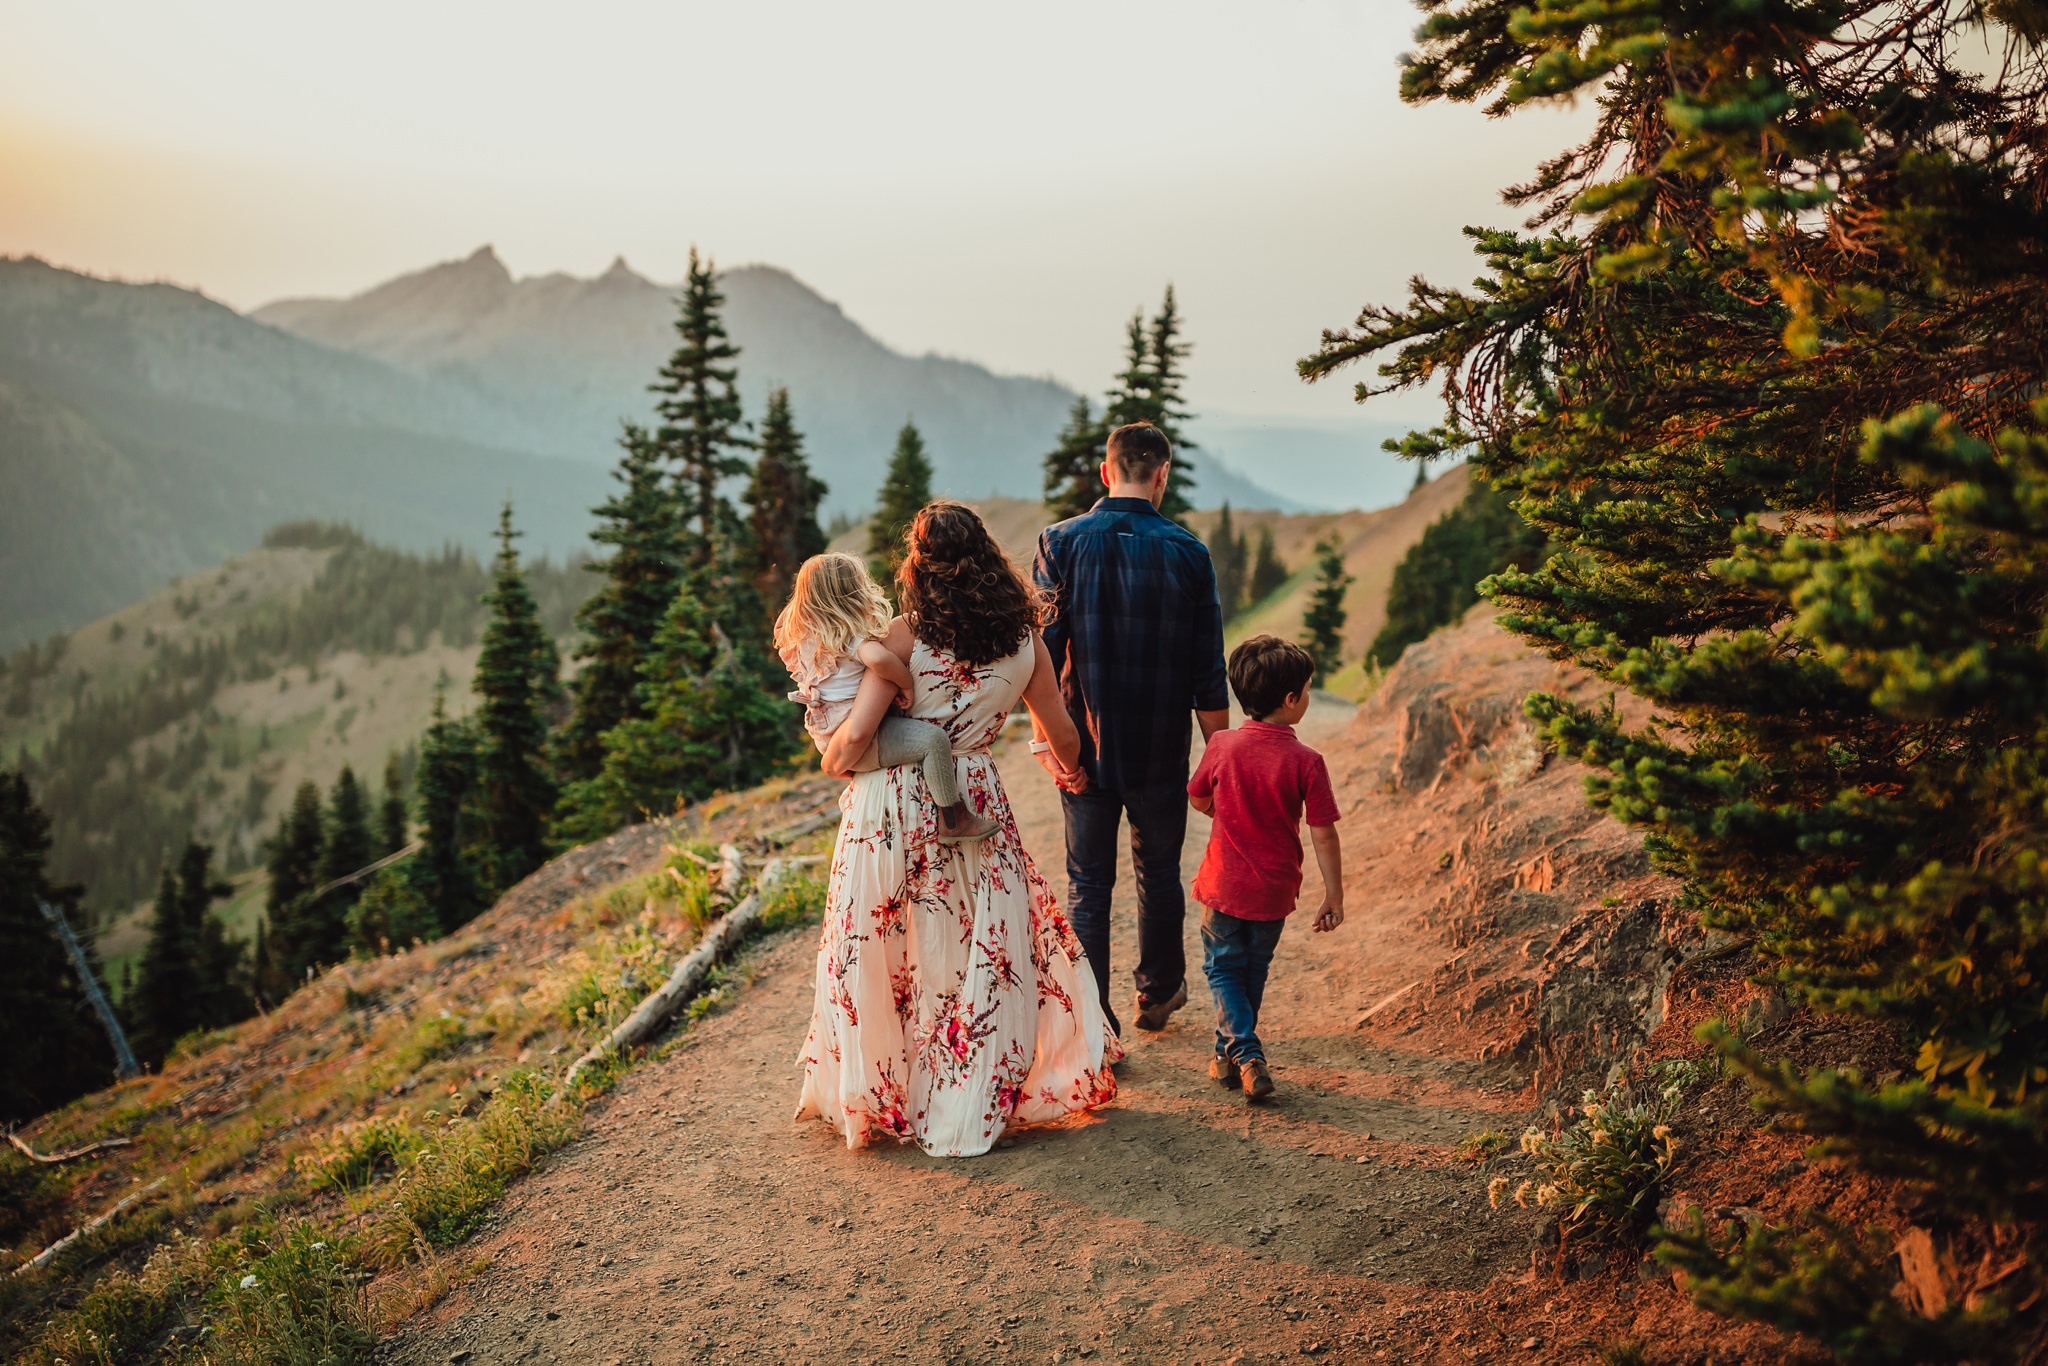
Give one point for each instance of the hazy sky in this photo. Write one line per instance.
(1004, 183)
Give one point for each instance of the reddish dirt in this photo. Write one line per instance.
(1503, 942)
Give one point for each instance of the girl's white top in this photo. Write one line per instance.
(825, 694)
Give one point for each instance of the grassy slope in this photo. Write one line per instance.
(384, 703)
(250, 1124)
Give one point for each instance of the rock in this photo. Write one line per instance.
(1545, 1234)
(457, 1358)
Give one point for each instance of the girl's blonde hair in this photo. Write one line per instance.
(835, 605)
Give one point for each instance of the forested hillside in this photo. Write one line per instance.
(147, 431)
(201, 708)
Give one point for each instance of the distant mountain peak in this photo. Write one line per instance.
(619, 273)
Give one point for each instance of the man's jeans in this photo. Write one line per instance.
(1159, 825)
(1235, 956)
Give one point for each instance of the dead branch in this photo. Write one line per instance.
(44, 1257)
(69, 1153)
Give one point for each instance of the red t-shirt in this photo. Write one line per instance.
(1262, 779)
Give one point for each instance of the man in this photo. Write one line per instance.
(1137, 639)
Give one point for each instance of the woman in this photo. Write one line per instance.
(952, 1000)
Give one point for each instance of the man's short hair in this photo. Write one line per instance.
(1137, 449)
(1265, 671)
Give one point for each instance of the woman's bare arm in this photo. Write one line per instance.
(1049, 720)
(877, 694)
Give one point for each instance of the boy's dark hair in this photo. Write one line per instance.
(1136, 450)
(1265, 671)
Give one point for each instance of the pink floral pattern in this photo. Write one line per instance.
(927, 1025)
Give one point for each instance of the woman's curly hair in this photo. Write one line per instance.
(960, 591)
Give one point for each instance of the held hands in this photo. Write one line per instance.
(1328, 916)
(1069, 779)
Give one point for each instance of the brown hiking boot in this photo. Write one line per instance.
(959, 825)
(1154, 1016)
(1258, 1082)
(1223, 1069)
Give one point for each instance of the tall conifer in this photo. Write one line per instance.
(701, 419)
(640, 522)
(1228, 551)
(515, 683)
(190, 970)
(782, 500)
(297, 938)
(1073, 468)
(391, 819)
(446, 871)
(1766, 368)
(906, 488)
(1149, 390)
(55, 1048)
(1267, 572)
(1322, 625)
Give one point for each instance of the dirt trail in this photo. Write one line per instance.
(695, 1221)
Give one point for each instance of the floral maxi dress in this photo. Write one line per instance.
(953, 1001)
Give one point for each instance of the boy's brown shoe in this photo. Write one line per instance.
(1258, 1082)
(1154, 1015)
(1223, 1069)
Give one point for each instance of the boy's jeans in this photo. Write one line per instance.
(1235, 956)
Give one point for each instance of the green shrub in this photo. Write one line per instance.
(798, 900)
(391, 914)
(123, 1314)
(355, 1154)
(443, 1194)
(1605, 1169)
(293, 1297)
(434, 1037)
(1482, 1145)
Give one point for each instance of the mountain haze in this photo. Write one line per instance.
(569, 358)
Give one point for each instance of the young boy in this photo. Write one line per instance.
(1255, 782)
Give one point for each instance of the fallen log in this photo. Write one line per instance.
(49, 1253)
(69, 1153)
(687, 979)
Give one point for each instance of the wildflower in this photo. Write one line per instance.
(1494, 1188)
(250, 1282)
(1663, 1132)
(318, 1246)
(1522, 1194)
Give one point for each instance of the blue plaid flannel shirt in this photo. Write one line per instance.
(1136, 637)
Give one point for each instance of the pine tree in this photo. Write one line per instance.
(640, 522)
(445, 872)
(298, 937)
(707, 726)
(1322, 625)
(1439, 577)
(55, 1047)
(906, 488)
(190, 973)
(391, 820)
(1775, 229)
(346, 848)
(701, 418)
(782, 499)
(1073, 468)
(1268, 574)
(515, 683)
(1149, 390)
(1228, 551)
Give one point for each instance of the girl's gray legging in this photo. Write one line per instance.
(901, 740)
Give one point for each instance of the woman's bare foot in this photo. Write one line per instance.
(959, 825)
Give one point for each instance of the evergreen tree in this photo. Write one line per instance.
(1149, 390)
(347, 848)
(445, 872)
(701, 418)
(1228, 551)
(391, 821)
(1322, 625)
(515, 683)
(1772, 230)
(640, 522)
(190, 973)
(1267, 574)
(55, 1048)
(1439, 576)
(906, 488)
(782, 499)
(707, 726)
(1073, 468)
(299, 938)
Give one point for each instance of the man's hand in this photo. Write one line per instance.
(1069, 779)
(1329, 915)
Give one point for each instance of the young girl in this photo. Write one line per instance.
(828, 638)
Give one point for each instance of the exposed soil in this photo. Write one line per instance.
(1503, 944)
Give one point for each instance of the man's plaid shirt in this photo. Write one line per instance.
(1136, 636)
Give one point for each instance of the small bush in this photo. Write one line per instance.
(1605, 1169)
(391, 914)
(1476, 1148)
(123, 1314)
(294, 1296)
(355, 1154)
(799, 900)
(442, 1195)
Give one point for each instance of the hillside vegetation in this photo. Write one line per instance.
(200, 709)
